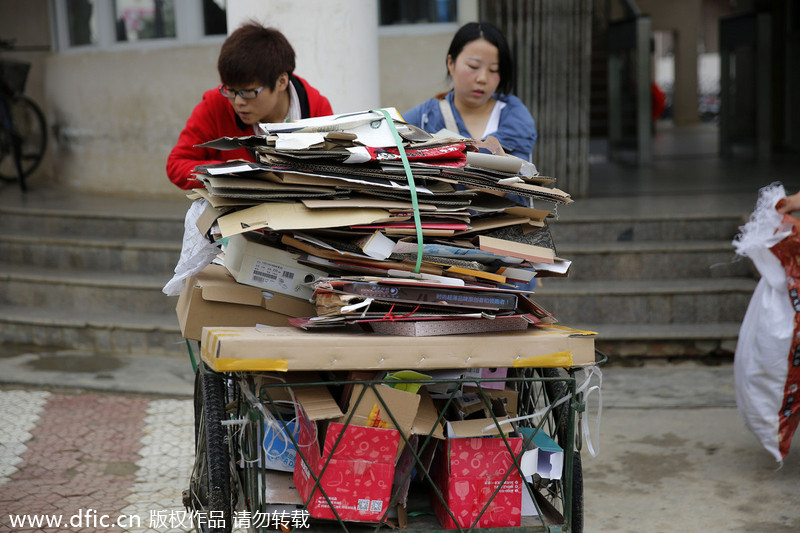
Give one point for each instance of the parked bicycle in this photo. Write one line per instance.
(23, 129)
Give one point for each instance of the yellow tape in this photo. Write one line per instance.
(556, 359)
(573, 330)
(251, 365)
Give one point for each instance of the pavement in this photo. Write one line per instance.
(116, 438)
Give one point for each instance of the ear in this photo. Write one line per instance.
(282, 82)
(451, 65)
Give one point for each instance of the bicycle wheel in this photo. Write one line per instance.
(537, 395)
(558, 389)
(28, 139)
(209, 495)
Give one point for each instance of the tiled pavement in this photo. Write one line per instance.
(94, 459)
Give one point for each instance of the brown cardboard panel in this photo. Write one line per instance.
(286, 348)
(213, 297)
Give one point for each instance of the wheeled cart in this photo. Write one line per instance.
(246, 420)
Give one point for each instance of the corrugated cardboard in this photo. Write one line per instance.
(254, 263)
(286, 348)
(213, 298)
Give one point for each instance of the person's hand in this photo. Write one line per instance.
(789, 204)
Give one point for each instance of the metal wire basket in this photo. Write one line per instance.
(14, 75)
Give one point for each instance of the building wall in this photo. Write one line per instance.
(684, 19)
(412, 68)
(115, 115)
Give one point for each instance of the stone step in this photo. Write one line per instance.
(83, 290)
(112, 221)
(98, 332)
(86, 272)
(642, 227)
(698, 340)
(646, 302)
(120, 254)
(653, 260)
(60, 213)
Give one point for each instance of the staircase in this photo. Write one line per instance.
(85, 273)
(651, 285)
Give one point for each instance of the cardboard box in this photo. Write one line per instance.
(543, 456)
(285, 348)
(471, 401)
(252, 262)
(470, 470)
(357, 470)
(354, 464)
(213, 298)
(487, 373)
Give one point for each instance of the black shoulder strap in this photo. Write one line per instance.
(302, 96)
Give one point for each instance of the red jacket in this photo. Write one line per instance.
(213, 118)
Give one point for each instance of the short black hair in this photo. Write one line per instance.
(255, 54)
(473, 31)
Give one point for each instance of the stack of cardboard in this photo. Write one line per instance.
(436, 243)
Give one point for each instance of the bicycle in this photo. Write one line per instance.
(23, 132)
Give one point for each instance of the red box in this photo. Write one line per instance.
(468, 475)
(358, 477)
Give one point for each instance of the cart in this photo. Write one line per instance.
(234, 487)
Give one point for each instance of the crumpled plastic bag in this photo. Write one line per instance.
(197, 252)
(767, 358)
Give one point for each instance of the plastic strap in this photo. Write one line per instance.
(587, 390)
(584, 388)
(417, 223)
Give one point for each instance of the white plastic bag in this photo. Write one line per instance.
(762, 361)
(197, 251)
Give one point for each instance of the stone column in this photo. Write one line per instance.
(336, 42)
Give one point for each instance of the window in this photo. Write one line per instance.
(215, 20)
(103, 24)
(144, 19)
(417, 11)
(82, 22)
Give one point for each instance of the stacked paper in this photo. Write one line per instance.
(452, 233)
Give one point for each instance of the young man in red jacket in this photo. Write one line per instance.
(256, 66)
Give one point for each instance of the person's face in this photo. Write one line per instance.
(268, 106)
(475, 72)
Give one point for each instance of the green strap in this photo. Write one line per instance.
(399, 142)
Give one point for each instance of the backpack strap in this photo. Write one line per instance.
(447, 114)
(302, 96)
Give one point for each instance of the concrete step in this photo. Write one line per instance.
(80, 290)
(99, 332)
(120, 254)
(55, 212)
(647, 302)
(86, 272)
(574, 226)
(697, 340)
(653, 260)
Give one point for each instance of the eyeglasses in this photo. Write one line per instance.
(247, 94)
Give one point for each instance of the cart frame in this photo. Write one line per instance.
(229, 476)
